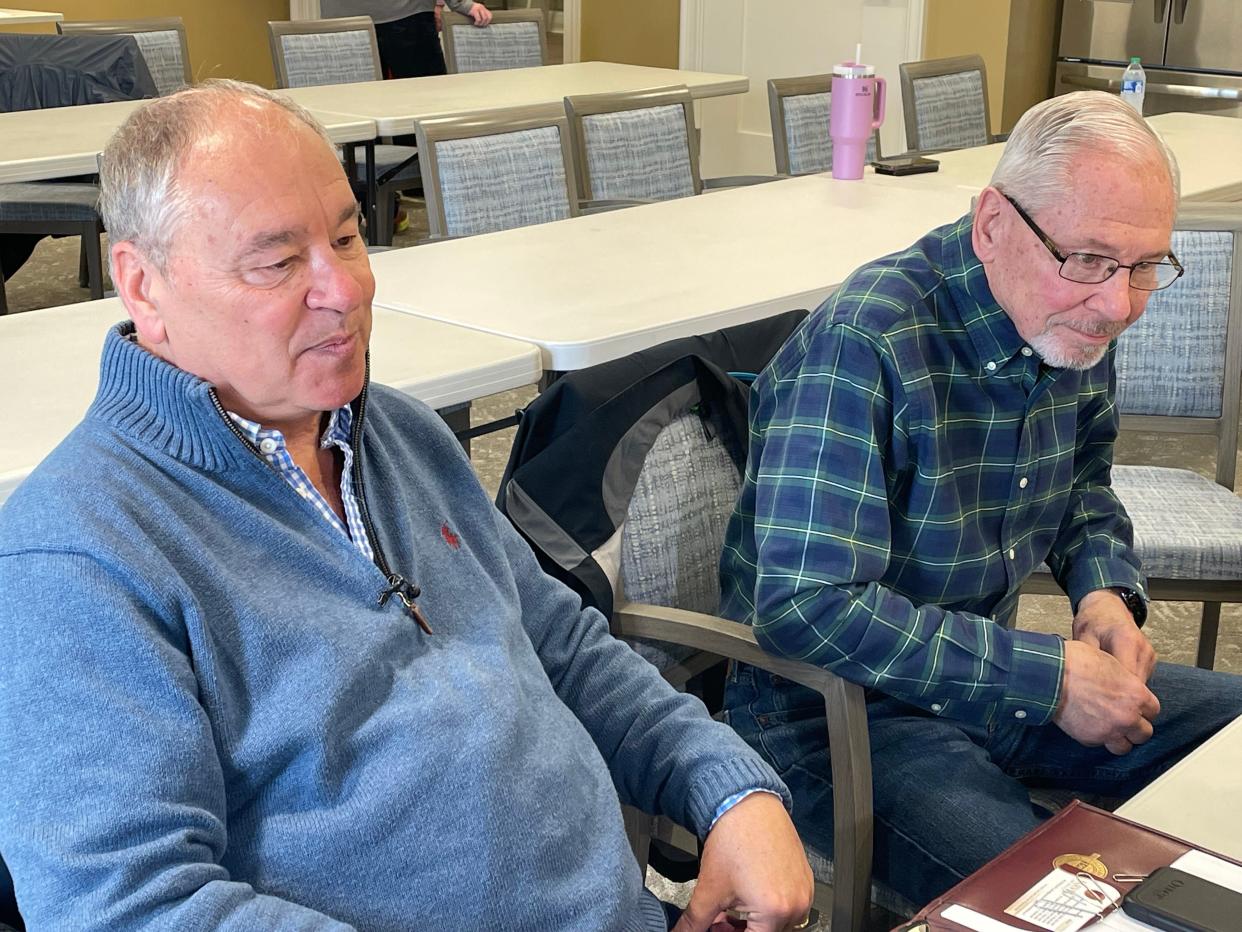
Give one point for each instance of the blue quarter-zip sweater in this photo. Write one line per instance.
(208, 720)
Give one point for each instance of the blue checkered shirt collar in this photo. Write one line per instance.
(271, 446)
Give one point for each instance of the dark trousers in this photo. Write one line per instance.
(410, 47)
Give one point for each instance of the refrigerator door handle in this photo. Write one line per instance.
(1179, 12)
(1162, 7)
(1175, 90)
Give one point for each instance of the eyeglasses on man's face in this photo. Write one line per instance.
(1086, 268)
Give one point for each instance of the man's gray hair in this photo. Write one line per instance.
(1038, 161)
(139, 195)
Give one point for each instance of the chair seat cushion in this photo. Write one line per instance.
(388, 157)
(1185, 526)
(32, 202)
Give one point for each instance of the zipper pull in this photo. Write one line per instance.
(407, 592)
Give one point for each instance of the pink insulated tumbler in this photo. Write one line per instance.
(857, 111)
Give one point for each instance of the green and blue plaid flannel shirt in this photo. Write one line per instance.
(911, 462)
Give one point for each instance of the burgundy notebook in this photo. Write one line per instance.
(1080, 836)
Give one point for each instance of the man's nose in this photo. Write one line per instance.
(1114, 297)
(335, 283)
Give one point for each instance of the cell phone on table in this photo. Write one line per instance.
(1181, 902)
(907, 165)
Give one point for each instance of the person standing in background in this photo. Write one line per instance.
(407, 30)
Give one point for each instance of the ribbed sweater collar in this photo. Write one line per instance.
(161, 406)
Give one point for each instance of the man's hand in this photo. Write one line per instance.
(752, 862)
(1102, 702)
(1103, 621)
(480, 14)
(440, 17)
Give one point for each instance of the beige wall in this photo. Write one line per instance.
(966, 27)
(227, 38)
(1017, 39)
(1033, 26)
(636, 32)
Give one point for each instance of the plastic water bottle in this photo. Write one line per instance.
(1134, 84)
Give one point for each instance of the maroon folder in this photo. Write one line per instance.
(1080, 836)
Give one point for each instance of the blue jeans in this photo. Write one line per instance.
(951, 796)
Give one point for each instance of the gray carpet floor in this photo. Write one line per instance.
(50, 278)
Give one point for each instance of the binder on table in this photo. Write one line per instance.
(1080, 838)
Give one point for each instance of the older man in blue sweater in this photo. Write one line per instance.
(271, 659)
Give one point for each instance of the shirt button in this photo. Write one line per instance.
(1021, 713)
(936, 707)
(991, 367)
(1027, 351)
(267, 446)
(1022, 483)
(1011, 553)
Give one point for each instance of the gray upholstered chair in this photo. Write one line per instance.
(58, 209)
(161, 40)
(495, 170)
(639, 146)
(515, 39)
(800, 109)
(665, 437)
(945, 102)
(306, 53)
(1179, 369)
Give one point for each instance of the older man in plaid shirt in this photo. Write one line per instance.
(939, 428)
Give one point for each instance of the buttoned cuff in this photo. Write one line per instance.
(1036, 673)
(1103, 573)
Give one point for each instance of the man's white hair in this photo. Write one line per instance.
(1038, 161)
(139, 195)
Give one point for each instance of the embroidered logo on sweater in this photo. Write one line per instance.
(449, 537)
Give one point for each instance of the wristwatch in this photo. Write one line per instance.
(1134, 602)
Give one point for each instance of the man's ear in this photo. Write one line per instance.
(137, 281)
(988, 226)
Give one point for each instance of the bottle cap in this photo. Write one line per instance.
(1134, 59)
(849, 69)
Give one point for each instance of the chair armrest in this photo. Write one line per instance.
(849, 746)
(738, 181)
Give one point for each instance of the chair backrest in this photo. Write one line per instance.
(161, 40)
(324, 51)
(675, 524)
(515, 39)
(945, 101)
(799, 109)
(1179, 367)
(47, 70)
(636, 144)
(495, 170)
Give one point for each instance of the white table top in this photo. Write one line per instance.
(63, 141)
(49, 370)
(594, 288)
(1197, 800)
(25, 17)
(1208, 150)
(395, 105)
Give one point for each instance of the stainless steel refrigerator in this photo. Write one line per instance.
(1191, 51)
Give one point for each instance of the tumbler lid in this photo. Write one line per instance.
(849, 69)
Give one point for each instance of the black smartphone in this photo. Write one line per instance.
(911, 165)
(1180, 902)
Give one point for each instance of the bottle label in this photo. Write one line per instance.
(1131, 86)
